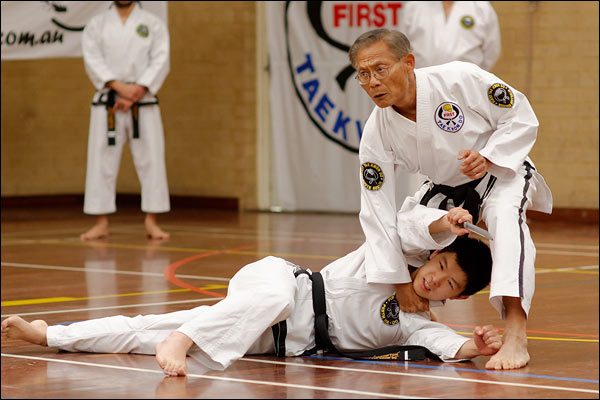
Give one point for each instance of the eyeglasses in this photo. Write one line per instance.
(379, 73)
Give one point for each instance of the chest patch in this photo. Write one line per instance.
(449, 117)
(142, 30)
(390, 311)
(467, 22)
(501, 95)
(372, 175)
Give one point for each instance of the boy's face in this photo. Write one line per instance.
(440, 278)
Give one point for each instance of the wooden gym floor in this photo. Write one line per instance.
(47, 273)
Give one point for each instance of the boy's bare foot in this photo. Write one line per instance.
(33, 332)
(98, 231)
(152, 229)
(171, 353)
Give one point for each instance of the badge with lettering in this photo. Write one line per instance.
(501, 95)
(449, 117)
(467, 22)
(142, 30)
(372, 175)
(390, 311)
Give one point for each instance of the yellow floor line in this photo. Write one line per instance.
(25, 302)
(556, 339)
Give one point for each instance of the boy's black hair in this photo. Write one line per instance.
(475, 258)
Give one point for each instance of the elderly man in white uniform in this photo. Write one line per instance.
(269, 307)
(470, 133)
(126, 56)
(444, 31)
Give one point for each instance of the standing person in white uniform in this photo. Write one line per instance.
(471, 134)
(269, 307)
(445, 31)
(126, 56)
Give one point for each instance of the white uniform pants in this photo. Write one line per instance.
(103, 160)
(513, 251)
(259, 295)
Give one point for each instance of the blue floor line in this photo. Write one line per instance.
(450, 366)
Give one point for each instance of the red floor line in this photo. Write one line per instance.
(170, 270)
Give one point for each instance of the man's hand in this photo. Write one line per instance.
(409, 300)
(455, 217)
(487, 340)
(129, 91)
(123, 104)
(474, 165)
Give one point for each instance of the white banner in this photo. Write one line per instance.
(47, 29)
(318, 110)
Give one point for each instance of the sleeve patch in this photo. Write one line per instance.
(372, 175)
(500, 95)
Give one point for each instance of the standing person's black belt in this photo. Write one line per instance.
(460, 194)
(109, 103)
(323, 341)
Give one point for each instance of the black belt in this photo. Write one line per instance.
(323, 341)
(109, 103)
(463, 195)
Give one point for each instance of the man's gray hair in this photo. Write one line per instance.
(397, 42)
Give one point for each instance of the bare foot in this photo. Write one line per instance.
(171, 353)
(513, 353)
(33, 332)
(152, 229)
(98, 231)
(155, 233)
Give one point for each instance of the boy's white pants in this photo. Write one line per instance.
(259, 295)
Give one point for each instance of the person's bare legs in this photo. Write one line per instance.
(171, 353)
(153, 230)
(513, 353)
(33, 332)
(98, 231)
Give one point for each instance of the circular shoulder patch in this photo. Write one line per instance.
(142, 30)
(449, 117)
(372, 175)
(390, 311)
(501, 95)
(467, 22)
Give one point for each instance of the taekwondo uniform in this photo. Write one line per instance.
(134, 52)
(470, 32)
(265, 293)
(459, 106)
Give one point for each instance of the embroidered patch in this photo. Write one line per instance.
(390, 311)
(467, 22)
(501, 95)
(142, 30)
(372, 175)
(449, 117)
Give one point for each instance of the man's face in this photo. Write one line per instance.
(394, 89)
(440, 278)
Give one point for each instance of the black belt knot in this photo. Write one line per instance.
(109, 103)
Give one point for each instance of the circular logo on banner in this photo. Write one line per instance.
(390, 311)
(501, 95)
(372, 176)
(467, 22)
(449, 117)
(318, 35)
(142, 30)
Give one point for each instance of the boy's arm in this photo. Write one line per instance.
(486, 342)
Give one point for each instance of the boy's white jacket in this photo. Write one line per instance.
(365, 315)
